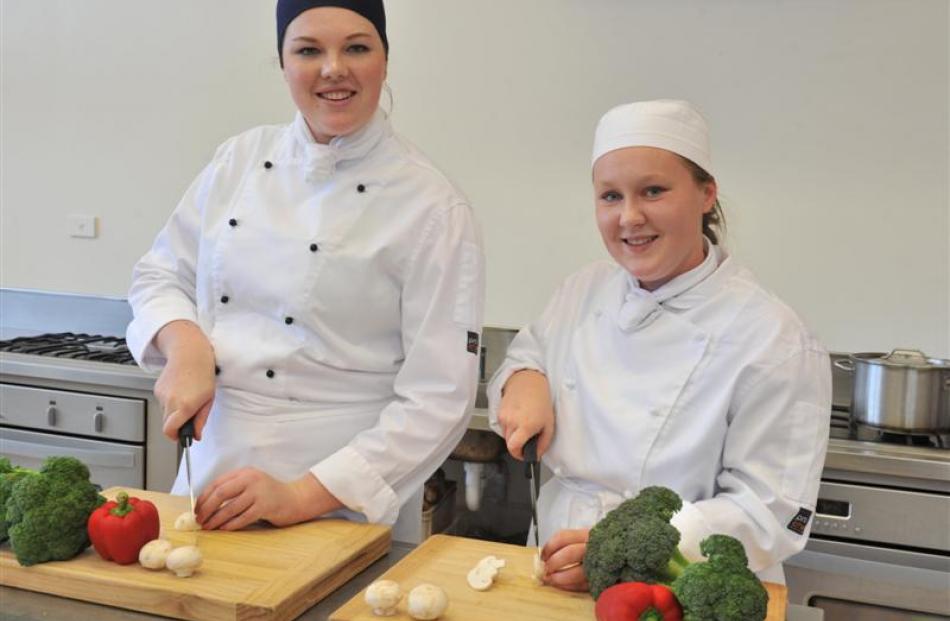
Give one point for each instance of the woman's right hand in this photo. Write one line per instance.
(525, 411)
(185, 387)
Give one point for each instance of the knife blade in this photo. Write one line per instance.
(186, 435)
(531, 471)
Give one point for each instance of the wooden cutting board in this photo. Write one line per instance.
(445, 561)
(262, 573)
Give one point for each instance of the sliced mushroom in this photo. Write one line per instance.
(184, 560)
(482, 576)
(538, 568)
(186, 521)
(383, 596)
(154, 553)
(427, 602)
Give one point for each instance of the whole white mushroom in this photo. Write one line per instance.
(184, 560)
(383, 596)
(154, 553)
(427, 602)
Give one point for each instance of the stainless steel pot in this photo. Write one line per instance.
(901, 391)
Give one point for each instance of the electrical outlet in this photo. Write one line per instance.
(83, 226)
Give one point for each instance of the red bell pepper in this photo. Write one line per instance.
(119, 528)
(638, 601)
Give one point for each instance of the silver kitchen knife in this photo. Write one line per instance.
(532, 470)
(186, 435)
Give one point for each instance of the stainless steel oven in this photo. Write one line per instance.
(64, 392)
(880, 544)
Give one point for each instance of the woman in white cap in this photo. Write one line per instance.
(669, 365)
(315, 301)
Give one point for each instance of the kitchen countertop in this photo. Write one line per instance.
(20, 605)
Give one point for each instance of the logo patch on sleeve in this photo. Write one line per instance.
(800, 522)
(472, 345)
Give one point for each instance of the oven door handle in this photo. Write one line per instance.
(105, 457)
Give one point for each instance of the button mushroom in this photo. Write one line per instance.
(427, 601)
(154, 553)
(186, 521)
(383, 596)
(184, 560)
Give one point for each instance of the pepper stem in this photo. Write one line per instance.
(122, 507)
(651, 614)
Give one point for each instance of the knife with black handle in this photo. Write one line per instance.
(186, 435)
(532, 470)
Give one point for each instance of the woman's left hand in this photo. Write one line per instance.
(563, 557)
(242, 497)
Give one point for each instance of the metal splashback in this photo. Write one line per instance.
(28, 312)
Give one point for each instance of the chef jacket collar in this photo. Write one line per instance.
(638, 307)
(319, 161)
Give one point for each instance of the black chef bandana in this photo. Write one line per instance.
(288, 10)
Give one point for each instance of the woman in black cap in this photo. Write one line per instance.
(315, 301)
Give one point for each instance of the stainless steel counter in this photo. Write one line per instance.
(19, 605)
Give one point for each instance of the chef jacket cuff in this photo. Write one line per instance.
(493, 392)
(693, 529)
(349, 477)
(140, 335)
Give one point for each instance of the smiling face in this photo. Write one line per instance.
(335, 65)
(650, 212)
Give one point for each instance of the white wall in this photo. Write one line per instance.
(831, 127)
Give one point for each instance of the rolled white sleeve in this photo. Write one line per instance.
(442, 307)
(164, 280)
(527, 351)
(771, 463)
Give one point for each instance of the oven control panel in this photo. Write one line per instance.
(883, 515)
(74, 413)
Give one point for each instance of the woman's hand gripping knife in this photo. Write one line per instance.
(526, 411)
(185, 387)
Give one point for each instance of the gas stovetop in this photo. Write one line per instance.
(95, 347)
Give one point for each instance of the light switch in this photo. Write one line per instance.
(83, 226)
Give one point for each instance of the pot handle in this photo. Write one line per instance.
(913, 354)
(845, 364)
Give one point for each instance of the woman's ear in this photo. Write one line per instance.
(710, 194)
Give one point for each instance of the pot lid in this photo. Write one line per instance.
(906, 358)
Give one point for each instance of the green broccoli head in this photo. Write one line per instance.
(723, 587)
(635, 542)
(7, 479)
(46, 512)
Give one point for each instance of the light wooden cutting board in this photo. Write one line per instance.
(261, 573)
(445, 561)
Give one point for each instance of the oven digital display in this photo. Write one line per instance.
(837, 508)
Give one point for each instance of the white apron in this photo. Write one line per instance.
(284, 439)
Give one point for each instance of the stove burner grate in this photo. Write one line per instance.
(98, 348)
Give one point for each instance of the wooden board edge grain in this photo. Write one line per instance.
(137, 597)
(308, 593)
(778, 601)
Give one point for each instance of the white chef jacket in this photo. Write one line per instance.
(341, 287)
(709, 386)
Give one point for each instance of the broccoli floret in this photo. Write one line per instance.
(47, 511)
(9, 474)
(635, 542)
(65, 467)
(722, 588)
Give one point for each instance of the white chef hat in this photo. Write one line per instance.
(669, 124)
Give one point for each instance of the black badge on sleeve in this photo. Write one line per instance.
(800, 521)
(472, 345)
